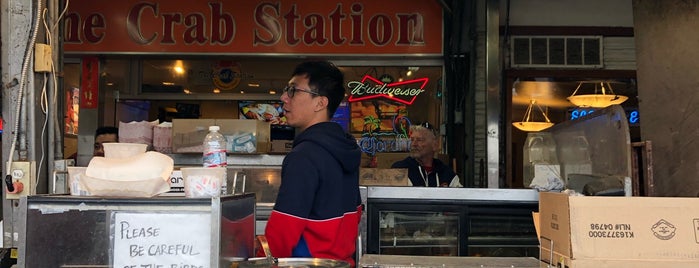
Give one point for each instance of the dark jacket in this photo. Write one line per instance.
(418, 175)
(318, 207)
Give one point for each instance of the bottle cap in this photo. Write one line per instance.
(214, 128)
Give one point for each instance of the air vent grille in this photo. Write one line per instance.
(556, 51)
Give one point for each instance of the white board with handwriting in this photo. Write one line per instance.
(161, 240)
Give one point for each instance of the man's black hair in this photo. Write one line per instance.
(107, 130)
(325, 79)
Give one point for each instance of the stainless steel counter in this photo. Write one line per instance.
(390, 261)
(233, 159)
(481, 194)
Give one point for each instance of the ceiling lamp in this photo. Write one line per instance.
(597, 100)
(532, 126)
(178, 68)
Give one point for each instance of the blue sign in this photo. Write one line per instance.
(631, 114)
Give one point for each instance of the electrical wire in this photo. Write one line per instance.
(44, 109)
(44, 96)
(20, 94)
(44, 105)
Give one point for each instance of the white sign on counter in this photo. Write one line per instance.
(160, 240)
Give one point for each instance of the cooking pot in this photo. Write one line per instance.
(270, 261)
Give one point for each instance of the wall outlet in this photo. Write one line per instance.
(43, 58)
(23, 172)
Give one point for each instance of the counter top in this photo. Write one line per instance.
(388, 261)
(441, 193)
(233, 159)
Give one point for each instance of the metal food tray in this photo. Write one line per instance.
(398, 261)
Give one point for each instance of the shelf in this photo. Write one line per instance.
(419, 241)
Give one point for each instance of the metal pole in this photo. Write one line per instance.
(493, 97)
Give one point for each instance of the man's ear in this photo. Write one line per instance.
(437, 145)
(321, 103)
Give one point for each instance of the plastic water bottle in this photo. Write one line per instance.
(214, 148)
(215, 152)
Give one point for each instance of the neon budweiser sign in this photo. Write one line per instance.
(370, 88)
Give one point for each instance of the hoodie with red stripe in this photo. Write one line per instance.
(318, 207)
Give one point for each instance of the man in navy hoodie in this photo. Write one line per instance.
(318, 207)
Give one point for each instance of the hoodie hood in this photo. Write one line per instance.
(341, 145)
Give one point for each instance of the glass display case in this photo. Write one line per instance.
(451, 222)
(81, 231)
(264, 181)
(249, 173)
(425, 233)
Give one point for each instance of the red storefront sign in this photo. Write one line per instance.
(254, 27)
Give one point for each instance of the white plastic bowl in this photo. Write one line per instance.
(123, 150)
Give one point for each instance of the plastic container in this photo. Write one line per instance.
(123, 150)
(540, 159)
(201, 182)
(215, 152)
(214, 148)
(74, 176)
(575, 157)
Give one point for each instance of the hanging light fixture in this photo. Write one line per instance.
(597, 100)
(532, 126)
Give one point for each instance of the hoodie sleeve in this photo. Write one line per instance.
(292, 208)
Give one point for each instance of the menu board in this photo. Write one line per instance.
(159, 240)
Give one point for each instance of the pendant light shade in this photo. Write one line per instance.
(532, 126)
(599, 99)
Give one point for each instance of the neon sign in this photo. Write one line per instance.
(403, 92)
(631, 114)
(371, 144)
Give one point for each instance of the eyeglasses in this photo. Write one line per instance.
(291, 91)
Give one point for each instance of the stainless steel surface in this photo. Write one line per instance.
(265, 248)
(391, 261)
(362, 246)
(233, 159)
(264, 181)
(86, 227)
(453, 193)
(295, 262)
(493, 95)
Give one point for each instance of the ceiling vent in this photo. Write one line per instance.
(556, 52)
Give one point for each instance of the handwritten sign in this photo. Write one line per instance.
(159, 240)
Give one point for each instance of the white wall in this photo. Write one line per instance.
(605, 13)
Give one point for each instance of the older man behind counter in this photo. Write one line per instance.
(423, 168)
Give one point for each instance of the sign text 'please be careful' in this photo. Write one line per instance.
(158, 240)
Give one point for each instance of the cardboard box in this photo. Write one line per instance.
(385, 160)
(281, 146)
(188, 134)
(563, 261)
(383, 177)
(243, 135)
(585, 229)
